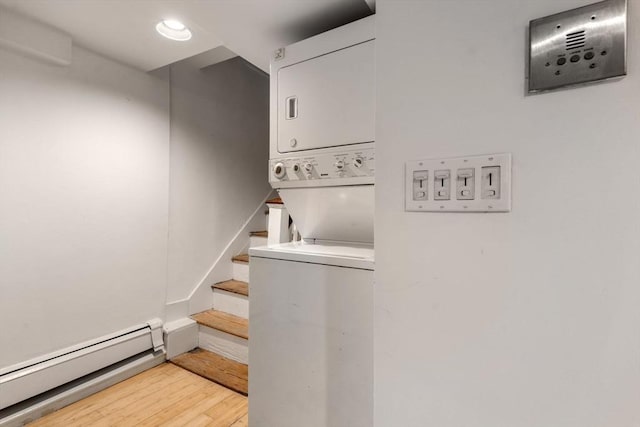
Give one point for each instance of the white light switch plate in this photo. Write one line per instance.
(481, 199)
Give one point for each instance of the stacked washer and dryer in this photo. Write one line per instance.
(311, 318)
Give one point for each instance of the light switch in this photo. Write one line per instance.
(453, 181)
(442, 184)
(466, 184)
(420, 179)
(490, 185)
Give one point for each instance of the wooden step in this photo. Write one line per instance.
(235, 286)
(243, 258)
(224, 322)
(259, 234)
(216, 368)
(275, 201)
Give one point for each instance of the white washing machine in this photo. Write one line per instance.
(311, 336)
(311, 315)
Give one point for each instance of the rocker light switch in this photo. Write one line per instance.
(466, 184)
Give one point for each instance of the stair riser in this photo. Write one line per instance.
(224, 344)
(231, 303)
(241, 271)
(256, 241)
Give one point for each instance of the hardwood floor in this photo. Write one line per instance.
(166, 395)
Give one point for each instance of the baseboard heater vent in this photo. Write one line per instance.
(30, 378)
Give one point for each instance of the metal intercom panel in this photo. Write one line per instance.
(578, 46)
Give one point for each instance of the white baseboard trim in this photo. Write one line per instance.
(180, 336)
(25, 412)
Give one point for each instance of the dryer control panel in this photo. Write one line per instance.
(348, 167)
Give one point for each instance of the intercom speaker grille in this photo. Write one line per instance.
(575, 40)
(578, 46)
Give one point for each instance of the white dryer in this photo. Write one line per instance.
(311, 316)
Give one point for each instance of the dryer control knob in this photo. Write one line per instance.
(308, 167)
(279, 170)
(358, 162)
(339, 165)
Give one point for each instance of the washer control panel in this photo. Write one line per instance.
(336, 168)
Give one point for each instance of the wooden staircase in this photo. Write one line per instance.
(223, 337)
(224, 322)
(234, 286)
(216, 368)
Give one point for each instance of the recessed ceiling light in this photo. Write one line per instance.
(174, 30)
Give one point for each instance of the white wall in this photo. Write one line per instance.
(219, 158)
(529, 318)
(84, 175)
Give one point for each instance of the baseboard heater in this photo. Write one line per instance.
(30, 378)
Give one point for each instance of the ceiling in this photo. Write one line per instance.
(125, 29)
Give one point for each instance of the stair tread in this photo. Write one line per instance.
(225, 322)
(235, 286)
(259, 233)
(275, 201)
(241, 258)
(219, 369)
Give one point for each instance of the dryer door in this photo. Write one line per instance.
(327, 101)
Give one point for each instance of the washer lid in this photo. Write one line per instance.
(358, 256)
